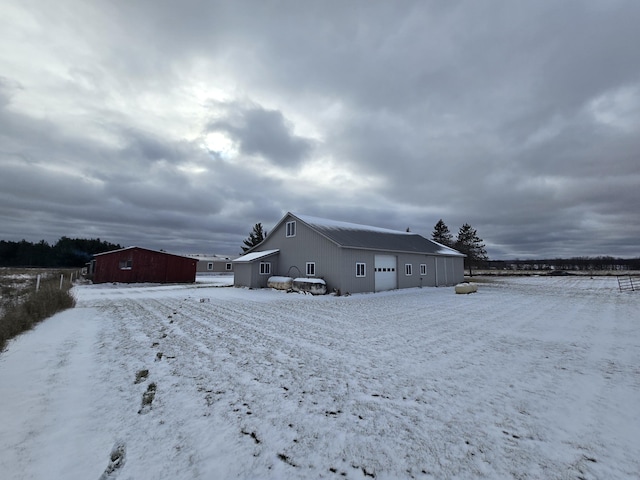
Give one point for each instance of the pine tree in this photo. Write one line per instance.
(441, 234)
(472, 246)
(256, 236)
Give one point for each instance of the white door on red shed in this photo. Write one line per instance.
(386, 277)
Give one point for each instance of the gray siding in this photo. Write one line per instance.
(305, 246)
(258, 279)
(337, 265)
(449, 270)
(248, 274)
(219, 266)
(413, 280)
(346, 269)
(242, 274)
(458, 269)
(429, 280)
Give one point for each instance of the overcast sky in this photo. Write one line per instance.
(179, 125)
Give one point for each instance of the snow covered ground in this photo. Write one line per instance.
(534, 377)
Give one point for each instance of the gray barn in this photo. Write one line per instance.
(350, 258)
(213, 263)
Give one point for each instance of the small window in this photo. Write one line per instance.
(311, 269)
(265, 268)
(361, 269)
(228, 266)
(210, 266)
(291, 229)
(408, 269)
(126, 264)
(423, 269)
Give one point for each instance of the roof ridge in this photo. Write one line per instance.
(327, 222)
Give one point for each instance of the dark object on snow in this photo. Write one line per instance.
(559, 273)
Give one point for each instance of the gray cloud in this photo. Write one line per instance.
(179, 126)
(264, 133)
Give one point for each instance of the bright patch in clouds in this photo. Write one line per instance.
(205, 93)
(221, 144)
(192, 169)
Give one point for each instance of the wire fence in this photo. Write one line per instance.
(629, 283)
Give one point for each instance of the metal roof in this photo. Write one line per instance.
(250, 257)
(352, 235)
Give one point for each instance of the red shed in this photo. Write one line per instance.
(136, 264)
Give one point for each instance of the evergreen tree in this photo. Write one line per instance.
(256, 236)
(472, 246)
(78, 251)
(441, 234)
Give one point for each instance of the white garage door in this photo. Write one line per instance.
(385, 273)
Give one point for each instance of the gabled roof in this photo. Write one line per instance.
(353, 235)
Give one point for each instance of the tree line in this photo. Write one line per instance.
(470, 244)
(66, 252)
(598, 263)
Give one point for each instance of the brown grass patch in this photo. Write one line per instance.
(22, 307)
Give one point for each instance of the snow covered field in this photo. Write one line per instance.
(534, 377)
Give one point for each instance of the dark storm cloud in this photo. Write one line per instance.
(262, 132)
(145, 146)
(520, 118)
